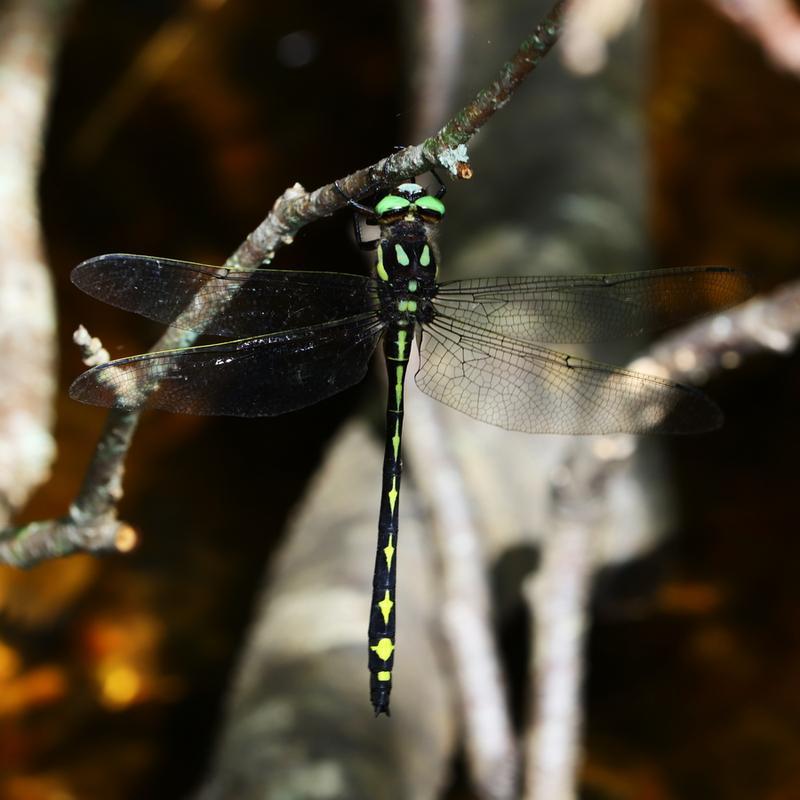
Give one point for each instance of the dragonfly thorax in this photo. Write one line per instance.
(406, 271)
(402, 257)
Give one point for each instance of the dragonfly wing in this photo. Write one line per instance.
(525, 387)
(221, 301)
(253, 377)
(590, 308)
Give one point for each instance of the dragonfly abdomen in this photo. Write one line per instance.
(396, 345)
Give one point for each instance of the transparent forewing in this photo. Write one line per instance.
(525, 387)
(590, 308)
(220, 301)
(253, 377)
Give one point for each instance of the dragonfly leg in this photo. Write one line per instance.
(440, 192)
(354, 204)
(358, 208)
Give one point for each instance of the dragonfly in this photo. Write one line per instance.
(297, 337)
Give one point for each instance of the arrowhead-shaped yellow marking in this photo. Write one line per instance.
(388, 551)
(383, 649)
(385, 606)
(393, 494)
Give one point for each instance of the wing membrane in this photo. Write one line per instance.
(590, 308)
(221, 301)
(253, 377)
(524, 387)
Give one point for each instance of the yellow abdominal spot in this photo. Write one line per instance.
(398, 387)
(385, 606)
(388, 551)
(384, 676)
(383, 649)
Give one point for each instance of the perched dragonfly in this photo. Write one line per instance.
(303, 336)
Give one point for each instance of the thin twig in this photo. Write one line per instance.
(295, 208)
(92, 351)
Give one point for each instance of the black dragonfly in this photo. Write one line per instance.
(302, 336)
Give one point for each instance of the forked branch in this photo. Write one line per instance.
(91, 523)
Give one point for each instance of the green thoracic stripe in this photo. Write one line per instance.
(379, 267)
(402, 256)
(425, 257)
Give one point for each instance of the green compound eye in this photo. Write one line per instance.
(391, 203)
(431, 204)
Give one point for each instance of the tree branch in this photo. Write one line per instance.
(92, 525)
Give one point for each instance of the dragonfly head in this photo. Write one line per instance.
(410, 202)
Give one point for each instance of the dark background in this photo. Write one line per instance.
(122, 663)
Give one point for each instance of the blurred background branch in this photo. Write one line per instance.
(774, 24)
(30, 34)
